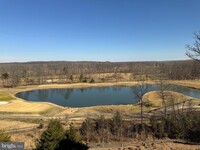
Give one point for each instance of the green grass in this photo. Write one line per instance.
(5, 97)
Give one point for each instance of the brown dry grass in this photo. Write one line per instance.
(188, 83)
(20, 106)
(155, 100)
(8, 124)
(121, 108)
(150, 145)
(29, 138)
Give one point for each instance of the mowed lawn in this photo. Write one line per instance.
(5, 97)
(19, 106)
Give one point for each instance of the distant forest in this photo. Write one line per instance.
(14, 74)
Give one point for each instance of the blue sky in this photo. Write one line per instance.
(97, 30)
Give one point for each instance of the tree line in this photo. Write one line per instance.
(14, 74)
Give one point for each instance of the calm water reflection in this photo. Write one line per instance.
(93, 96)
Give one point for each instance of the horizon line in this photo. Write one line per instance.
(43, 61)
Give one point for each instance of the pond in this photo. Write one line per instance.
(94, 96)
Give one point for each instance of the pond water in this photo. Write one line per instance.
(93, 96)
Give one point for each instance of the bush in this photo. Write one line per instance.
(194, 134)
(193, 128)
(158, 127)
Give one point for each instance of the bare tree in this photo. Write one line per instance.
(163, 95)
(193, 51)
(15, 77)
(117, 125)
(5, 77)
(65, 73)
(87, 129)
(139, 92)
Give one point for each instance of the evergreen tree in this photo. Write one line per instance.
(81, 77)
(51, 137)
(117, 124)
(72, 134)
(72, 140)
(5, 77)
(71, 78)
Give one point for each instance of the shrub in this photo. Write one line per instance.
(193, 128)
